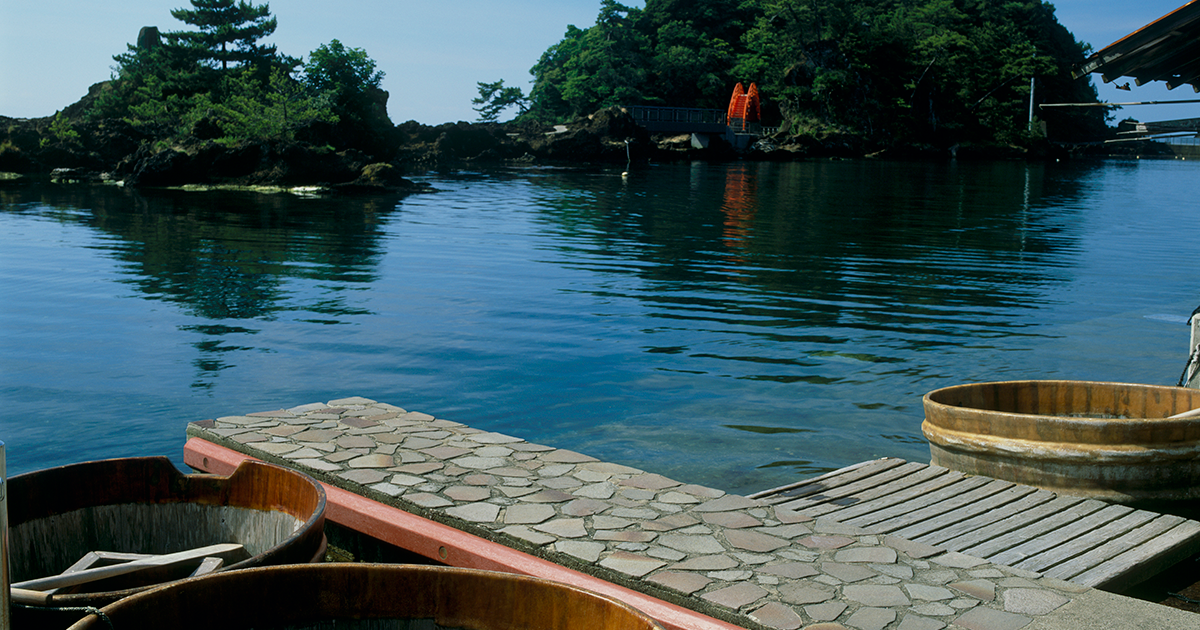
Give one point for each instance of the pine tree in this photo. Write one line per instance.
(228, 32)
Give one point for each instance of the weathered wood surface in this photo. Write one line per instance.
(1085, 541)
(92, 574)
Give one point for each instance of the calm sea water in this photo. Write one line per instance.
(737, 325)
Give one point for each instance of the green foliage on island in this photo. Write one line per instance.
(62, 131)
(495, 97)
(882, 72)
(219, 82)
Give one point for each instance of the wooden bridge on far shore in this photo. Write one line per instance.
(703, 124)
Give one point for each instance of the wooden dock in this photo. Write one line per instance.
(1084, 541)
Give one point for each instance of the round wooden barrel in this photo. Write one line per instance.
(95, 513)
(1111, 441)
(366, 596)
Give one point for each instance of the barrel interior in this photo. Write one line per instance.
(145, 506)
(48, 546)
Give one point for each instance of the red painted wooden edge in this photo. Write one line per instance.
(447, 545)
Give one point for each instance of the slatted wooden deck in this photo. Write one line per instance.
(1085, 541)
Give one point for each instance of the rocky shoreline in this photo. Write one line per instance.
(114, 150)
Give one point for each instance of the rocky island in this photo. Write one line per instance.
(215, 106)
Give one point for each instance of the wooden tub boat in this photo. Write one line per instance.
(1110, 441)
(90, 518)
(369, 596)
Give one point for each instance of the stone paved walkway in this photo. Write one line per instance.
(725, 555)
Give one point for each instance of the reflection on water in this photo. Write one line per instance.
(739, 325)
(739, 206)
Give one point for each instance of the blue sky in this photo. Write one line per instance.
(432, 53)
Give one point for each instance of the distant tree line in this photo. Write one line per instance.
(220, 82)
(884, 71)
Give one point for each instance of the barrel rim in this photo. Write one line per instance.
(427, 574)
(930, 398)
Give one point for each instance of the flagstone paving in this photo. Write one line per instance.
(725, 555)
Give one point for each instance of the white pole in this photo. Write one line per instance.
(1031, 103)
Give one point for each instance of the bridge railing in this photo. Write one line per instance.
(678, 119)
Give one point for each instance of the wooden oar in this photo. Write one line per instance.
(99, 573)
(1191, 413)
(28, 597)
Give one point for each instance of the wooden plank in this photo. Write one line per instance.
(837, 497)
(118, 556)
(939, 503)
(98, 573)
(899, 502)
(92, 558)
(862, 490)
(1010, 523)
(1068, 531)
(88, 560)
(1072, 538)
(28, 597)
(854, 471)
(929, 478)
(1113, 549)
(968, 511)
(208, 565)
(989, 548)
(1050, 557)
(916, 501)
(987, 518)
(844, 485)
(1145, 560)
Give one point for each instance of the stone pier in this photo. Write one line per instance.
(727, 556)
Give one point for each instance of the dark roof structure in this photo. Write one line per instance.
(1167, 49)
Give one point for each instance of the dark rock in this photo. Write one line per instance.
(380, 175)
(464, 141)
(239, 161)
(14, 160)
(206, 129)
(608, 135)
(169, 167)
(148, 37)
(378, 178)
(295, 164)
(76, 175)
(413, 132)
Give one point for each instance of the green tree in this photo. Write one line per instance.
(602, 66)
(220, 83)
(253, 110)
(690, 68)
(348, 78)
(881, 71)
(547, 101)
(347, 75)
(494, 98)
(61, 130)
(229, 32)
(925, 71)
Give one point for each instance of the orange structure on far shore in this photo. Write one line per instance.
(744, 107)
